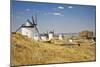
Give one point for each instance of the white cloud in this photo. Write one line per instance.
(27, 9)
(57, 14)
(54, 13)
(70, 7)
(60, 7)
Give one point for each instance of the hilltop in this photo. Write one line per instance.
(27, 51)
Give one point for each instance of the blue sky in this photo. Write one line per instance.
(63, 18)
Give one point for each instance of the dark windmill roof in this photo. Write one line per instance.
(51, 32)
(28, 24)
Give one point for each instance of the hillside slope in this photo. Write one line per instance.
(27, 51)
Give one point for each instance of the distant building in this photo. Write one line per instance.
(51, 35)
(37, 38)
(70, 40)
(44, 37)
(61, 37)
(86, 34)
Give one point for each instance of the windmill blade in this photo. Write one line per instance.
(29, 21)
(36, 18)
(33, 21)
(19, 28)
(38, 31)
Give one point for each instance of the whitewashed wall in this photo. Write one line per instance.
(50, 36)
(28, 32)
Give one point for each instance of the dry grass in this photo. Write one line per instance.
(27, 51)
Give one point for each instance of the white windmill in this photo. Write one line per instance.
(51, 35)
(29, 27)
(61, 37)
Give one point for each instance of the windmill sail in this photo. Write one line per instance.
(35, 23)
(36, 18)
(19, 28)
(29, 21)
(37, 30)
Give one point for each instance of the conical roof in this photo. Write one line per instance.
(28, 24)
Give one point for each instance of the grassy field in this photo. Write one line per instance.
(25, 51)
